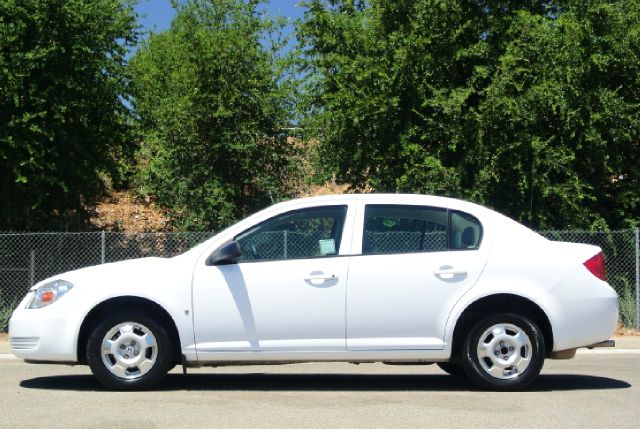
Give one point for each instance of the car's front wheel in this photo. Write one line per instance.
(504, 352)
(129, 351)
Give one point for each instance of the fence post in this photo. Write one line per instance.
(32, 268)
(285, 244)
(102, 247)
(637, 278)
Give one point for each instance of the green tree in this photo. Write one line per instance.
(559, 130)
(63, 122)
(530, 107)
(213, 96)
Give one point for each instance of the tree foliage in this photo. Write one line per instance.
(213, 96)
(530, 107)
(62, 119)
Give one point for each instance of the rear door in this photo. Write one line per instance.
(415, 263)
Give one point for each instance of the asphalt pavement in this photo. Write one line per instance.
(596, 389)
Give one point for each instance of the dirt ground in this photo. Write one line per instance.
(623, 331)
(123, 211)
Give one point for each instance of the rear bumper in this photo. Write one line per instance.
(570, 353)
(586, 321)
(605, 343)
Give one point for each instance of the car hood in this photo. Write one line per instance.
(131, 271)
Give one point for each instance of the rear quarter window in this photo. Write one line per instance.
(465, 231)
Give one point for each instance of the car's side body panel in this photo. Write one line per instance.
(405, 307)
(581, 309)
(166, 282)
(267, 306)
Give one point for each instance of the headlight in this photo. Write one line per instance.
(49, 293)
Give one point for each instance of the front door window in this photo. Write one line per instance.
(300, 234)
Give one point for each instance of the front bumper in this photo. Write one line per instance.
(45, 334)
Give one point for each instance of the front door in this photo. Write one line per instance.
(286, 293)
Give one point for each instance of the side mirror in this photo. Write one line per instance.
(226, 254)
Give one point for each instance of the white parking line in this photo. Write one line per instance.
(608, 351)
(7, 357)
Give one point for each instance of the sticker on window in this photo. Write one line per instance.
(327, 247)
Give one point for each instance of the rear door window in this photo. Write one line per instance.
(404, 229)
(410, 229)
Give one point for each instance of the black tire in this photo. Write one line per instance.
(521, 344)
(142, 352)
(452, 369)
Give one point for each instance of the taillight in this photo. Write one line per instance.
(596, 266)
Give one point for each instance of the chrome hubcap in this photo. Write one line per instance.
(129, 350)
(504, 351)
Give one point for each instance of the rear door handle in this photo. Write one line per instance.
(447, 272)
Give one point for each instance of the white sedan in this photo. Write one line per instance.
(408, 279)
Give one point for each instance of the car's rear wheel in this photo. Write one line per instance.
(452, 369)
(129, 351)
(504, 352)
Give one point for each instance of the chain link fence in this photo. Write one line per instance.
(27, 258)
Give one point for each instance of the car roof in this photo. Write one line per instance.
(381, 198)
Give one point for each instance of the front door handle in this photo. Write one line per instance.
(318, 277)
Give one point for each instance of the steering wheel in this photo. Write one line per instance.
(254, 251)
